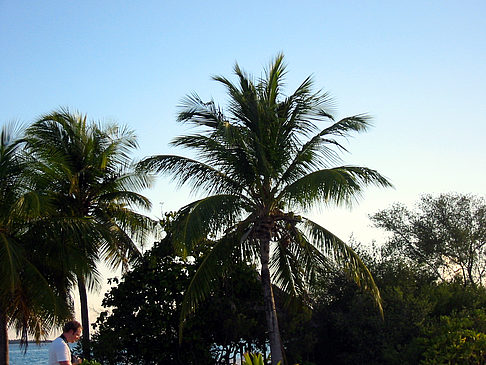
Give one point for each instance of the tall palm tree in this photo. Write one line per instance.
(256, 165)
(91, 180)
(32, 291)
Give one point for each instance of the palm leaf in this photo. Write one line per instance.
(285, 268)
(10, 257)
(344, 256)
(188, 171)
(210, 215)
(316, 154)
(129, 198)
(339, 185)
(211, 268)
(297, 262)
(200, 113)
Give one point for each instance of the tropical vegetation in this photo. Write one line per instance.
(240, 274)
(88, 174)
(68, 189)
(34, 295)
(426, 319)
(141, 318)
(259, 163)
(444, 234)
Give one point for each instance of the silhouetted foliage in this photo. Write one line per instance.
(260, 162)
(142, 327)
(416, 308)
(427, 320)
(446, 234)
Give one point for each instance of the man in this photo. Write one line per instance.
(59, 351)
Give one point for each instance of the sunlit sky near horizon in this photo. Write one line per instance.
(418, 67)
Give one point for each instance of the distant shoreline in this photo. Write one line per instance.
(29, 342)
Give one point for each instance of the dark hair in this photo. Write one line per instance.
(71, 325)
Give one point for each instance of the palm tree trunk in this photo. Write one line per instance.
(4, 358)
(83, 297)
(269, 302)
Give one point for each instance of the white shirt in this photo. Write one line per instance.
(59, 351)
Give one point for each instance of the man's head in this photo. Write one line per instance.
(72, 331)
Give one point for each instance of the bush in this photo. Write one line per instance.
(142, 326)
(90, 362)
(456, 339)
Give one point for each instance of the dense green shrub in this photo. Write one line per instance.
(141, 323)
(90, 362)
(456, 339)
(417, 311)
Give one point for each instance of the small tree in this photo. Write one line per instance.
(446, 234)
(457, 339)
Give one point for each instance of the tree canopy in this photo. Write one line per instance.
(34, 288)
(445, 233)
(90, 179)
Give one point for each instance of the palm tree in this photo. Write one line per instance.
(257, 165)
(32, 291)
(91, 181)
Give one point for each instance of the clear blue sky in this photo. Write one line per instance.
(418, 67)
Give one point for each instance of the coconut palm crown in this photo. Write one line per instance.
(259, 163)
(33, 291)
(90, 177)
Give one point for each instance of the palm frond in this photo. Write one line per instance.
(31, 205)
(134, 225)
(301, 110)
(344, 256)
(297, 262)
(317, 152)
(273, 81)
(199, 113)
(285, 268)
(185, 170)
(243, 105)
(224, 143)
(250, 246)
(119, 250)
(11, 254)
(228, 151)
(128, 198)
(211, 268)
(211, 215)
(339, 185)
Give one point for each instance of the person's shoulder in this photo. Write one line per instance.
(58, 342)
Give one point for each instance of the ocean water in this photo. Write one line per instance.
(36, 354)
